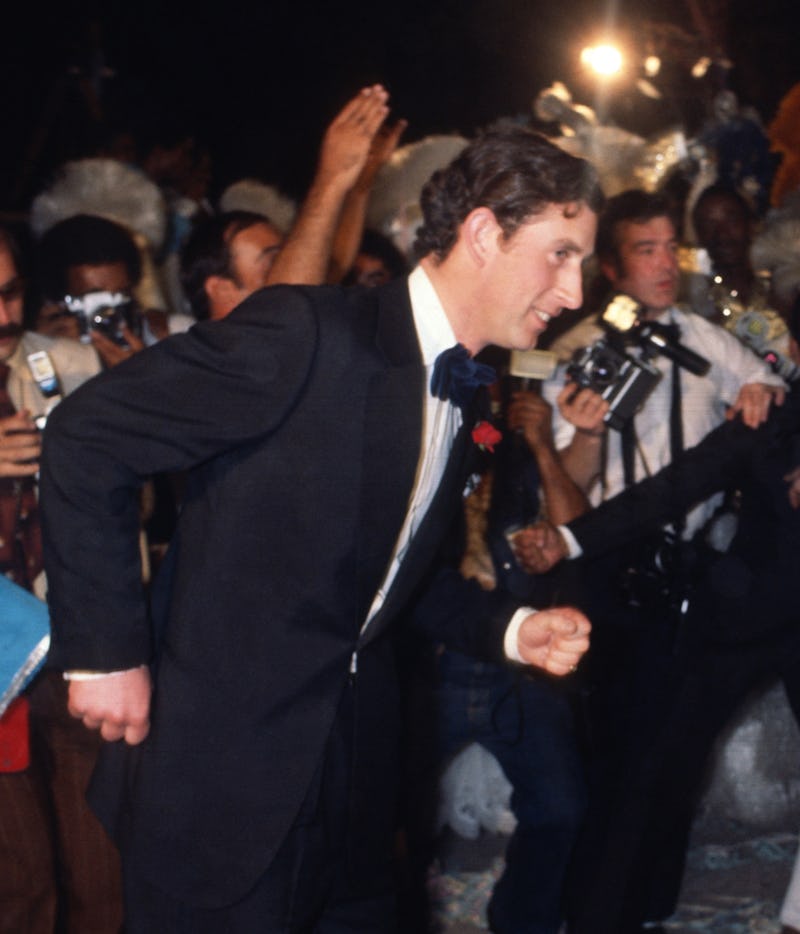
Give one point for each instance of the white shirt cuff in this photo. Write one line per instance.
(91, 675)
(574, 549)
(510, 640)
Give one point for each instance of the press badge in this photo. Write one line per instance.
(43, 372)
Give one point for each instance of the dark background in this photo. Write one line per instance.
(258, 83)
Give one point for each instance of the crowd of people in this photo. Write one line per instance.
(300, 546)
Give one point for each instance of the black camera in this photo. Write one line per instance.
(622, 379)
(105, 312)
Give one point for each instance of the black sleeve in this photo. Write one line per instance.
(168, 408)
(714, 464)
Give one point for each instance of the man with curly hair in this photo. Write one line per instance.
(255, 788)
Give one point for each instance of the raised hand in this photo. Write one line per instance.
(349, 139)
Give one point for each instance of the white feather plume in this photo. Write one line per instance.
(399, 183)
(107, 188)
(776, 249)
(250, 194)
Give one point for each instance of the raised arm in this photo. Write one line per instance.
(351, 223)
(306, 255)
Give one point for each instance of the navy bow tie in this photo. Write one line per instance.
(456, 376)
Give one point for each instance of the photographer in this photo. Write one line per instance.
(56, 861)
(88, 270)
(744, 632)
(638, 598)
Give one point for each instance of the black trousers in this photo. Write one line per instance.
(328, 877)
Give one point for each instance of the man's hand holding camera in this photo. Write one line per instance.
(20, 446)
(111, 352)
(584, 408)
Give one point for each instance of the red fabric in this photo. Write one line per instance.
(15, 749)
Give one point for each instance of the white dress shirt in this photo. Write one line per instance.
(704, 401)
(441, 421)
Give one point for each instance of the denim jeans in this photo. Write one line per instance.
(526, 722)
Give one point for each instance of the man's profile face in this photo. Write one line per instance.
(648, 263)
(535, 273)
(253, 251)
(11, 302)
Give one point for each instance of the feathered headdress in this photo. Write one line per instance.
(107, 188)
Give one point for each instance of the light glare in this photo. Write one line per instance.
(604, 59)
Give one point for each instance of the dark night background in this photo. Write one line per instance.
(257, 83)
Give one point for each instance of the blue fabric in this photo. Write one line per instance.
(526, 722)
(456, 376)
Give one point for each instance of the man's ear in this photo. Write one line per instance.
(481, 234)
(609, 269)
(220, 292)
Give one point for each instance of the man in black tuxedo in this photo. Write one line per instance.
(256, 792)
(741, 630)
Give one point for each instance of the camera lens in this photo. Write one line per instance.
(604, 370)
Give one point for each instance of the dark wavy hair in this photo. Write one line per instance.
(207, 253)
(514, 172)
(84, 238)
(633, 205)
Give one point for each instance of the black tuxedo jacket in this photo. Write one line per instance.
(751, 591)
(299, 419)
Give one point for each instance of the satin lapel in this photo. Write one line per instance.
(392, 437)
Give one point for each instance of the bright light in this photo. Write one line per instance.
(652, 66)
(604, 59)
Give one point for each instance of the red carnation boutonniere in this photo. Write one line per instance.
(486, 436)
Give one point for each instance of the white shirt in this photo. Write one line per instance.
(704, 400)
(440, 423)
